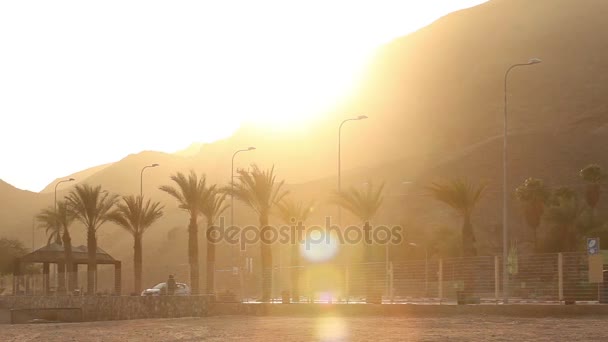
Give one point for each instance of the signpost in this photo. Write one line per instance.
(596, 261)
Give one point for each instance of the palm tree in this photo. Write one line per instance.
(462, 197)
(91, 206)
(292, 212)
(259, 190)
(212, 208)
(363, 204)
(136, 217)
(564, 212)
(57, 223)
(594, 176)
(533, 195)
(190, 194)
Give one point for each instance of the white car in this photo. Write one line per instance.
(181, 289)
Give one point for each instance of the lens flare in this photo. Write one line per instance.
(319, 247)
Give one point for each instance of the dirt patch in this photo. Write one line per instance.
(328, 328)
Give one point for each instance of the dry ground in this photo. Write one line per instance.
(251, 328)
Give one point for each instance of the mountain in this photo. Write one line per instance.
(434, 100)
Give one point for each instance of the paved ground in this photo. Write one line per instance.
(251, 328)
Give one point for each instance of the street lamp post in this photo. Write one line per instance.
(505, 227)
(241, 278)
(360, 117)
(141, 179)
(251, 148)
(55, 203)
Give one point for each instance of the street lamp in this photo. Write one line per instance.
(426, 267)
(55, 204)
(141, 180)
(505, 228)
(360, 117)
(251, 148)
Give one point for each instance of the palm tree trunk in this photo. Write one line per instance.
(69, 260)
(60, 266)
(295, 272)
(137, 260)
(468, 250)
(266, 253)
(370, 294)
(210, 263)
(468, 238)
(193, 253)
(92, 262)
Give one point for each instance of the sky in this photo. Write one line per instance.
(84, 83)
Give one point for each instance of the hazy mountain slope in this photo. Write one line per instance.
(79, 177)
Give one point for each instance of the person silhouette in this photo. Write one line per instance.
(171, 285)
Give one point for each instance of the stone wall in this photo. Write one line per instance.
(105, 308)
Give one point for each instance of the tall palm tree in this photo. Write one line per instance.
(564, 212)
(190, 194)
(594, 176)
(461, 196)
(363, 204)
(213, 206)
(292, 212)
(136, 217)
(533, 195)
(91, 206)
(260, 190)
(57, 223)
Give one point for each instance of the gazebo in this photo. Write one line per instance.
(54, 254)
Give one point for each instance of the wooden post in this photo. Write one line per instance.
(440, 280)
(75, 276)
(16, 275)
(117, 278)
(45, 278)
(560, 276)
(496, 278)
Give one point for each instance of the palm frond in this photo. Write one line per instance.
(258, 189)
(134, 216)
(459, 194)
(363, 204)
(189, 191)
(90, 205)
(290, 211)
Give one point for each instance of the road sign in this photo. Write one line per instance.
(593, 246)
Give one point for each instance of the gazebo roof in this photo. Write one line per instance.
(54, 253)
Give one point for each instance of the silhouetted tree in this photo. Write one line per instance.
(136, 217)
(293, 213)
(364, 205)
(91, 205)
(9, 250)
(57, 225)
(594, 176)
(462, 197)
(190, 194)
(212, 208)
(260, 190)
(564, 212)
(533, 195)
